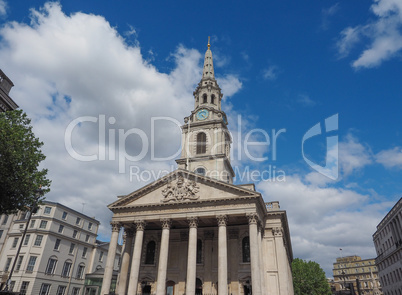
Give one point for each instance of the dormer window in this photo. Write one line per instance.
(201, 143)
(204, 98)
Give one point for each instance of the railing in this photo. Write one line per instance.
(271, 206)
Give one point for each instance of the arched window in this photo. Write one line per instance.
(199, 251)
(246, 249)
(150, 254)
(51, 265)
(198, 287)
(201, 143)
(200, 171)
(80, 271)
(204, 98)
(212, 98)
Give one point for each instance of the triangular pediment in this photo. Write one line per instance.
(182, 186)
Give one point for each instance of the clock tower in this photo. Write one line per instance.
(206, 138)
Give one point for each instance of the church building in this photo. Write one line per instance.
(195, 232)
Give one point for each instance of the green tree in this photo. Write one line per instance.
(309, 278)
(20, 156)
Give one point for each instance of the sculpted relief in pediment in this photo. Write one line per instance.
(183, 189)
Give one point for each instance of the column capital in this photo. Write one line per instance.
(277, 231)
(128, 232)
(222, 220)
(192, 221)
(115, 226)
(166, 223)
(252, 218)
(140, 225)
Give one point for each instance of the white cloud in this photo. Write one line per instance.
(384, 34)
(306, 100)
(353, 155)
(326, 13)
(271, 73)
(3, 7)
(391, 158)
(68, 66)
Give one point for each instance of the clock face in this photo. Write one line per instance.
(202, 114)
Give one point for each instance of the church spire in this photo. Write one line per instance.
(208, 72)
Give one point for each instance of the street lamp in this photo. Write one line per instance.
(32, 210)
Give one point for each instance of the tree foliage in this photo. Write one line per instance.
(20, 156)
(309, 278)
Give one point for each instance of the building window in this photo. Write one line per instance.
(61, 290)
(75, 234)
(213, 99)
(76, 291)
(72, 246)
(66, 269)
(101, 256)
(90, 226)
(47, 210)
(24, 288)
(43, 224)
(15, 242)
(21, 226)
(32, 223)
(5, 219)
(84, 252)
(77, 222)
(8, 263)
(200, 171)
(64, 216)
(26, 240)
(51, 266)
(12, 284)
(1, 233)
(87, 238)
(150, 253)
(199, 251)
(201, 143)
(80, 271)
(57, 244)
(61, 228)
(38, 240)
(19, 262)
(31, 263)
(44, 290)
(204, 98)
(246, 249)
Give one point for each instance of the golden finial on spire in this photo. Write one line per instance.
(209, 45)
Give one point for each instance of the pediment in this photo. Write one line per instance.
(181, 186)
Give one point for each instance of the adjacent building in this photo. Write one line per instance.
(6, 102)
(58, 251)
(354, 273)
(194, 231)
(388, 244)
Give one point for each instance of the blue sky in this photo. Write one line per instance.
(281, 65)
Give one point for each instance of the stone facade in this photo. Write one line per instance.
(6, 102)
(388, 244)
(194, 231)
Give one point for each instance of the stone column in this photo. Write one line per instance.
(136, 261)
(254, 253)
(163, 257)
(262, 272)
(208, 238)
(222, 256)
(107, 277)
(233, 263)
(125, 262)
(192, 256)
(283, 262)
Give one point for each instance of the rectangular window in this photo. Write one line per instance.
(80, 271)
(19, 262)
(5, 219)
(72, 246)
(15, 242)
(87, 238)
(38, 240)
(12, 284)
(31, 263)
(66, 269)
(90, 226)
(8, 263)
(1, 233)
(77, 222)
(61, 290)
(21, 226)
(51, 266)
(44, 290)
(61, 228)
(75, 234)
(64, 217)
(84, 252)
(26, 240)
(47, 210)
(32, 223)
(76, 291)
(24, 288)
(57, 244)
(43, 224)
(101, 256)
